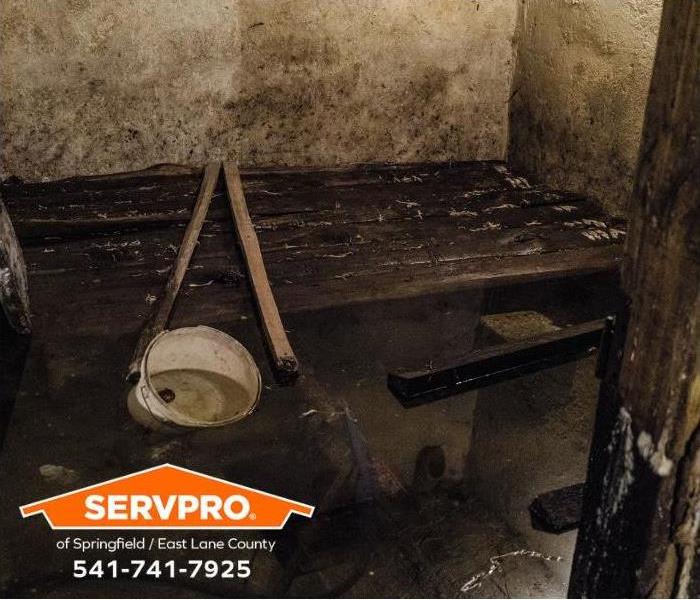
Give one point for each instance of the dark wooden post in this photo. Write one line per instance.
(639, 531)
(14, 317)
(14, 297)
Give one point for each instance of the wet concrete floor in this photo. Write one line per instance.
(383, 527)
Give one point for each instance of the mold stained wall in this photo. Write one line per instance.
(582, 77)
(98, 86)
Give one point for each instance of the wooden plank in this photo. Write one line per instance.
(285, 362)
(471, 175)
(287, 201)
(164, 304)
(331, 249)
(148, 210)
(116, 299)
(488, 366)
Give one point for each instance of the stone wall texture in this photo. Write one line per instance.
(99, 86)
(581, 81)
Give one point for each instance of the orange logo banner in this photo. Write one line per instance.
(167, 497)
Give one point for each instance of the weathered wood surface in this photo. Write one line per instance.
(14, 296)
(494, 364)
(328, 237)
(639, 530)
(285, 362)
(165, 300)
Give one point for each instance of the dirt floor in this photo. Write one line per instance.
(338, 440)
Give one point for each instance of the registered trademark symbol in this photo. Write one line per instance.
(252, 516)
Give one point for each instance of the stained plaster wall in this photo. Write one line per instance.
(97, 86)
(581, 81)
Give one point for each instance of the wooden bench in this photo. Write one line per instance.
(329, 237)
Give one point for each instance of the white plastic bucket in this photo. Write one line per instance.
(195, 377)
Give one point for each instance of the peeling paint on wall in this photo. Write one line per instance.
(582, 77)
(113, 85)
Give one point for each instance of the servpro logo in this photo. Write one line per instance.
(167, 497)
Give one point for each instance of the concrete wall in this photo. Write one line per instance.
(582, 75)
(95, 86)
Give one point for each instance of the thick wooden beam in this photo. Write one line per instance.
(481, 368)
(639, 531)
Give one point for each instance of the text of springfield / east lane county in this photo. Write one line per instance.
(163, 543)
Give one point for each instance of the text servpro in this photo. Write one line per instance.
(116, 507)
